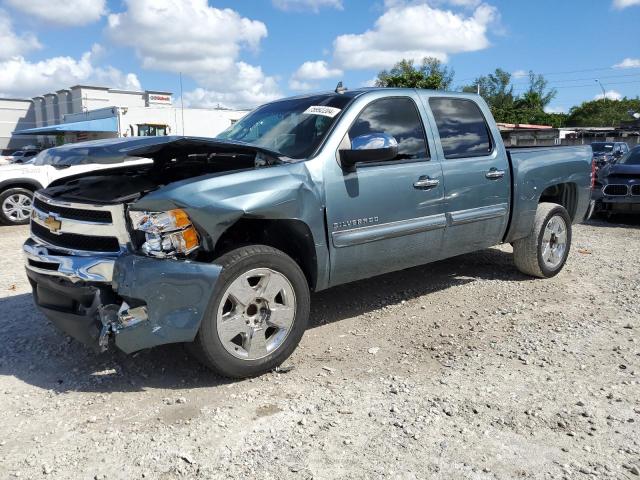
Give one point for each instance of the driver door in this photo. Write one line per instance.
(385, 216)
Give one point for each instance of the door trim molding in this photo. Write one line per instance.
(471, 215)
(372, 233)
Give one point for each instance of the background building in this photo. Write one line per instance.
(15, 114)
(86, 112)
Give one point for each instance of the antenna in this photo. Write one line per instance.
(340, 88)
(182, 104)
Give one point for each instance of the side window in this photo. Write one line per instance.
(399, 118)
(462, 127)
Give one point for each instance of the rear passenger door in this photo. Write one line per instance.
(476, 175)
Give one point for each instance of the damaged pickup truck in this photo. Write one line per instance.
(218, 242)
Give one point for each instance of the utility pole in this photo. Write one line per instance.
(604, 93)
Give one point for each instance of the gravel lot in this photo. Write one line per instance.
(461, 369)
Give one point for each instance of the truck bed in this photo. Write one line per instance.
(535, 171)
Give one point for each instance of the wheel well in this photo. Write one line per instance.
(29, 186)
(564, 194)
(292, 237)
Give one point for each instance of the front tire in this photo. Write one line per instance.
(544, 252)
(257, 315)
(15, 206)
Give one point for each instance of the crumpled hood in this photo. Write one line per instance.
(117, 150)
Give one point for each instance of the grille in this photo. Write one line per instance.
(74, 241)
(616, 190)
(98, 216)
(635, 190)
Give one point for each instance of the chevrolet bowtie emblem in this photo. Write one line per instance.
(53, 224)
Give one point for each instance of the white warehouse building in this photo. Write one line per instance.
(85, 112)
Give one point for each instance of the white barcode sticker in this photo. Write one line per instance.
(324, 111)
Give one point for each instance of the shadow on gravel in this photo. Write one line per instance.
(356, 298)
(615, 221)
(33, 351)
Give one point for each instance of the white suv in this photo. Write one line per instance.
(19, 181)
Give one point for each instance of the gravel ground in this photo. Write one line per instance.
(460, 369)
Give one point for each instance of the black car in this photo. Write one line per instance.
(605, 152)
(617, 185)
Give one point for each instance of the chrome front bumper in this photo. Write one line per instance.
(41, 259)
(89, 297)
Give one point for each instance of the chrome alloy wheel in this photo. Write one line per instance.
(256, 313)
(17, 207)
(554, 242)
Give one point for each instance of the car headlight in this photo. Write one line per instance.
(167, 234)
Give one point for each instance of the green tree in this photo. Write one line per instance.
(497, 91)
(603, 113)
(431, 74)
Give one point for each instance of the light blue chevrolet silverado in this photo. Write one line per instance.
(218, 243)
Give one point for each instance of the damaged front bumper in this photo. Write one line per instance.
(132, 301)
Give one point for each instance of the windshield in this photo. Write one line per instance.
(602, 147)
(632, 157)
(293, 127)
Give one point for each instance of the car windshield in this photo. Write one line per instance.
(602, 147)
(631, 158)
(293, 127)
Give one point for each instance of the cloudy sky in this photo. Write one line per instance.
(245, 52)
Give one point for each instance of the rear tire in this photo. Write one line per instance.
(544, 252)
(258, 312)
(15, 206)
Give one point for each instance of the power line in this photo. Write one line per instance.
(557, 73)
(552, 82)
(591, 85)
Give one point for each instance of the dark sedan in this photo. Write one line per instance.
(606, 152)
(617, 187)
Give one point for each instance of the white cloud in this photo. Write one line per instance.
(414, 31)
(203, 42)
(20, 77)
(369, 83)
(307, 5)
(250, 87)
(300, 85)
(620, 4)
(67, 12)
(628, 63)
(309, 71)
(555, 109)
(610, 95)
(318, 70)
(184, 35)
(520, 74)
(11, 43)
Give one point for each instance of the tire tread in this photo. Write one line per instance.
(525, 250)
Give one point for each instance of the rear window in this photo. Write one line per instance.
(632, 157)
(462, 128)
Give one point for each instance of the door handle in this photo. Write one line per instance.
(425, 183)
(494, 174)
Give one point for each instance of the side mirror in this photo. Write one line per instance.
(371, 147)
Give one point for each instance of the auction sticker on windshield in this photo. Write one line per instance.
(324, 111)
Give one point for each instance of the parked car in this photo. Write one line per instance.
(219, 242)
(23, 156)
(617, 187)
(18, 181)
(605, 152)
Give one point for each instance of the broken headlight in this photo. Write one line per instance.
(167, 234)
